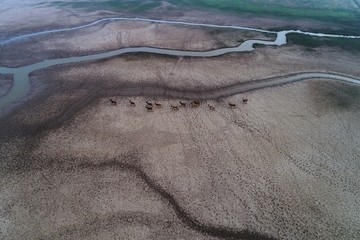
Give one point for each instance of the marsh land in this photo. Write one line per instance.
(83, 156)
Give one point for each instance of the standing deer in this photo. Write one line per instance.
(149, 107)
(195, 103)
(113, 102)
(132, 103)
(176, 108)
(182, 104)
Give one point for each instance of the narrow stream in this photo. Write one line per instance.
(21, 84)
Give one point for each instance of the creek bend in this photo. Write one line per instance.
(21, 82)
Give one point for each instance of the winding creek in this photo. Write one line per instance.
(21, 84)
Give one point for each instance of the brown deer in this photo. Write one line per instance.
(245, 100)
(149, 103)
(149, 107)
(182, 104)
(113, 102)
(158, 104)
(212, 108)
(232, 105)
(132, 103)
(176, 108)
(195, 103)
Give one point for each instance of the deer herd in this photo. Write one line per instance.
(195, 103)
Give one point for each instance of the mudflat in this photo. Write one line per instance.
(84, 156)
(194, 169)
(197, 170)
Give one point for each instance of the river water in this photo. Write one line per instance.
(21, 84)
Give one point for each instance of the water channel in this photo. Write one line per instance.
(21, 83)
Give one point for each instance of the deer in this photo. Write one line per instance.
(195, 103)
(149, 103)
(232, 105)
(245, 100)
(132, 103)
(212, 108)
(182, 104)
(176, 108)
(113, 102)
(158, 104)
(149, 107)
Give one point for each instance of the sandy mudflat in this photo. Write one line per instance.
(190, 73)
(121, 34)
(32, 19)
(286, 164)
(66, 87)
(270, 167)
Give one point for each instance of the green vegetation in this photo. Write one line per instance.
(136, 6)
(346, 16)
(313, 42)
(274, 9)
(146, 6)
(335, 11)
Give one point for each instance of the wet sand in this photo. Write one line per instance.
(206, 73)
(232, 172)
(228, 172)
